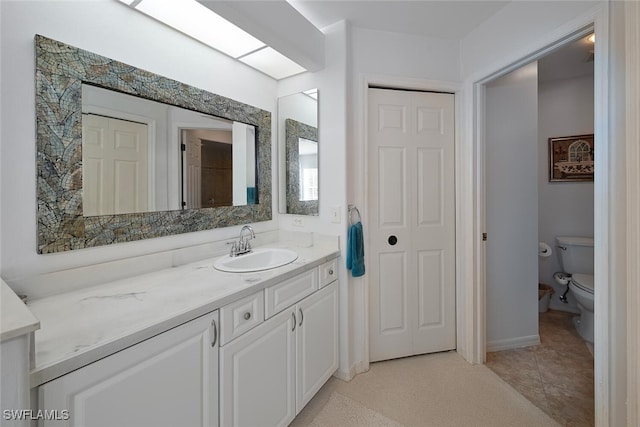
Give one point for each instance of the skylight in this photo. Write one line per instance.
(272, 62)
(201, 23)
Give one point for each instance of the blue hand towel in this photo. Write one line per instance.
(355, 250)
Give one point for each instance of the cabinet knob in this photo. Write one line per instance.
(331, 272)
(247, 316)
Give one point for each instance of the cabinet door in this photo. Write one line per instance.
(257, 375)
(317, 342)
(168, 380)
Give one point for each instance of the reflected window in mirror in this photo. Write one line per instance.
(308, 155)
(298, 142)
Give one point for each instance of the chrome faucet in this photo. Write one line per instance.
(243, 246)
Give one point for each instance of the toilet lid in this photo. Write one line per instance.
(583, 281)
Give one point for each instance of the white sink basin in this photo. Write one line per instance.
(258, 260)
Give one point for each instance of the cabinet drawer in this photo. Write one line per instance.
(240, 316)
(328, 272)
(289, 292)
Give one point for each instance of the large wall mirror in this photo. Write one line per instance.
(298, 141)
(124, 154)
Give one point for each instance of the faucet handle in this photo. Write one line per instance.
(234, 248)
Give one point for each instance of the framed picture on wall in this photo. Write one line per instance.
(571, 158)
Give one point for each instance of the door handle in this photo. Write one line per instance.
(392, 240)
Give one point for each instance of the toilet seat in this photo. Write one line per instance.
(583, 282)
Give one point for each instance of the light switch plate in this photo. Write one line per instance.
(335, 214)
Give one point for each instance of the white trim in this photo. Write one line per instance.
(597, 18)
(510, 343)
(605, 352)
(632, 28)
(396, 82)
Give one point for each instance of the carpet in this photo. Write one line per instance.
(344, 412)
(434, 390)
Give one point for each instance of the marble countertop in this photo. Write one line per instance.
(15, 317)
(82, 326)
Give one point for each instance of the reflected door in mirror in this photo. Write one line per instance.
(115, 166)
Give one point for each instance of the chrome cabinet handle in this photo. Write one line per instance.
(247, 315)
(301, 317)
(293, 314)
(215, 332)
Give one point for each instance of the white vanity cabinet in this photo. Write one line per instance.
(316, 342)
(257, 375)
(170, 379)
(271, 372)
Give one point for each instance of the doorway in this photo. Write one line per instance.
(526, 203)
(411, 202)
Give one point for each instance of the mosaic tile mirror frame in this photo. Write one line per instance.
(60, 72)
(294, 130)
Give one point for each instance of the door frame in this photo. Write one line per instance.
(598, 20)
(362, 293)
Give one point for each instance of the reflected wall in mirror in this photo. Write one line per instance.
(63, 76)
(298, 135)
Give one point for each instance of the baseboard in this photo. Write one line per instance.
(346, 375)
(510, 343)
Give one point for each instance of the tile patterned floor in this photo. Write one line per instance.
(557, 375)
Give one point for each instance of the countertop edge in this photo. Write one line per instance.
(46, 373)
(16, 314)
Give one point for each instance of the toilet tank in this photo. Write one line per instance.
(576, 254)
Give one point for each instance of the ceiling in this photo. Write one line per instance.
(569, 61)
(452, 19)
(429, 18)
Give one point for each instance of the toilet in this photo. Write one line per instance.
(576, 258)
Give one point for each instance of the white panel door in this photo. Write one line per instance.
(257, 375)
(168, 380)
(412, 223)
(114, 153)
(192, 171)
(316, 342)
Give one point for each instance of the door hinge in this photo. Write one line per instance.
(183, 147)
(484, 237)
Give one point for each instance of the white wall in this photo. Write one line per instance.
(515, 31)
(108, 28)
(565, 108)
(512, 209)
(332, 135)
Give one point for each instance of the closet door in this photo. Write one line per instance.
(411, 229)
